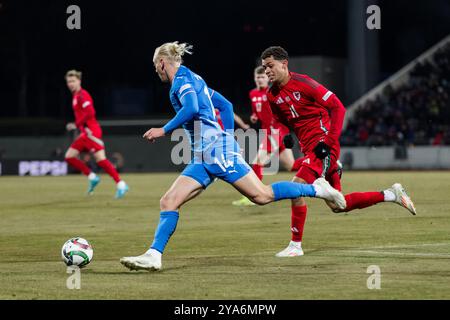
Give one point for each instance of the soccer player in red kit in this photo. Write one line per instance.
(273, 142)
(241, 123)
(316, 116)
(90, 138)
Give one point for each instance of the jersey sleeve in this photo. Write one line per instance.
(86, 107)
(330, 101)
(225, 108)
(189, 107)
(253, 106)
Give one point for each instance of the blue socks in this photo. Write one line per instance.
(292, 190)
(282, 190)
(166, 227)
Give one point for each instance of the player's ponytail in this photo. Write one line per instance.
(177, 50)
(174, 51)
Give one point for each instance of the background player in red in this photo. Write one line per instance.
(316, 115)
(241, 123)
(273, 143)
(90, 138)
(238, 120)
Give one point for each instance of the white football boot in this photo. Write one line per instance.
(294, 249)
(147, 261)
(402, 198)
(325, 191)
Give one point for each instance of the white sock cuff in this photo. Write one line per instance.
(389, 196)
(298, 244)
(154, 253)
(319, 191)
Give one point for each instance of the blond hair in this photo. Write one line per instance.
(73, 73)
(173, 51)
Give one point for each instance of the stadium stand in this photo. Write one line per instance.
(416, 112)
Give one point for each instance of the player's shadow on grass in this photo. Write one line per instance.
(126, 271)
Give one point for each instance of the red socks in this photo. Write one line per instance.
(104, 164)
(109, 169)
(360, 200)
(258, 170)
(356, 200)
(79, 165)
(298, 219)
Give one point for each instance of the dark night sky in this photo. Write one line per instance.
(114, 48)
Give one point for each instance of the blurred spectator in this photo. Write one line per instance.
(417, 113)
(118, 161)
(57, 154)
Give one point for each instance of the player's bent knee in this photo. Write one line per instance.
(71, 153)
(100, 156)
(165, 203)
(169, 202)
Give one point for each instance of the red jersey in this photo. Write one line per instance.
(310, 109)
(83, 108)
(261, 109)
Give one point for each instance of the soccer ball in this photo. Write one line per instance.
(77, 252)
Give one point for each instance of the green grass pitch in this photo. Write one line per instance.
(220, 251)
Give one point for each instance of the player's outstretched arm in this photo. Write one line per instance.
(225, 108)
(241, 122)
(188, 110)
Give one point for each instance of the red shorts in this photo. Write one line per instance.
(89, 143)
(311, 168)
(273, 141)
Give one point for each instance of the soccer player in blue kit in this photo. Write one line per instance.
(216, 153)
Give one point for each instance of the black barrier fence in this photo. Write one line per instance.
(33, 167)
(45, 155)
(129, 153)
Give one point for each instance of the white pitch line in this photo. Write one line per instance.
(417, 254)
(418, 245)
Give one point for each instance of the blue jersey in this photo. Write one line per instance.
(190, 97)
(216, 152)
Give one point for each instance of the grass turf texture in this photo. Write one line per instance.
(220, 251)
